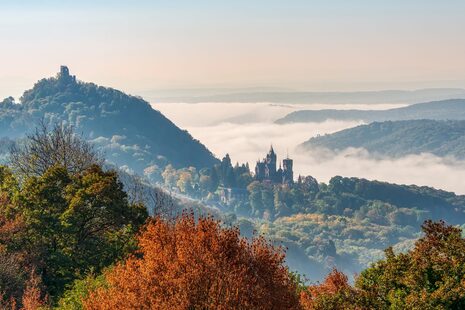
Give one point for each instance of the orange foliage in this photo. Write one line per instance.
(189, 264)
(32, 298)
(334, 293)
(10, 225)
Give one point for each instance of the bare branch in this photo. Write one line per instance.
(47, 147)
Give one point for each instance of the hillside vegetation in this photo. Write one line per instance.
(72, 237)
(345, 223)
(396, 139)
(125, 128)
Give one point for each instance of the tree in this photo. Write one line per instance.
(75, 223)
(227, 175)
(189, 264)
(140, 192)
(58, 146)
(205, 183)
(13, 259)
(334, 293)
(215, 179)
(430, 276)
(255, 197)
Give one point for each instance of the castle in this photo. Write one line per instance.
(266, 170)
(64, 76)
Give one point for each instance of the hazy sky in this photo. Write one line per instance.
(306, 44)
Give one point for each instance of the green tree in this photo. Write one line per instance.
(76, 223)
(430, 276)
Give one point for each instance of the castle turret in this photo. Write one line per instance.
(260, 171)
(288, 173)
(271, 163)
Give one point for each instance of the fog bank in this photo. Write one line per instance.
(245, 131)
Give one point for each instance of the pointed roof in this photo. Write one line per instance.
(271, 149)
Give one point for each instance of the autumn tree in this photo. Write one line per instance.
(13, 259)
(197, 264)
(334, 292)
(430, 276)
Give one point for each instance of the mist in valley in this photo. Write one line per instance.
(246, 130)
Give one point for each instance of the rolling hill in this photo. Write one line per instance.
(453, 109)
(399, 138)
(129, 132)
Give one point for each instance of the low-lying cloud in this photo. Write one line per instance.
(211, 113)
(220, 128)
(419, 169)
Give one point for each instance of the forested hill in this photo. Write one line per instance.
(126, 128)
(453, 109)
(394, 139)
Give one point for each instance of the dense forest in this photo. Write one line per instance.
(125, 128)
(400, 138)
(71, 237)
(347, 222)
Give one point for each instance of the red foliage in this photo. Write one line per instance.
(189, 264)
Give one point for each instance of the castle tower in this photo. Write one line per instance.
(64, 76)
(271, 163)
(260, 171)
(288, 173)
(266, 170)
(64, 71)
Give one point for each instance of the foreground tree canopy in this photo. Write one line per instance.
(65, 225)
(430, 276)
(189, 264)
(62, 222)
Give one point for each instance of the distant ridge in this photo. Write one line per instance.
(400, 138)
(305, 97)
(453, 109)
(126, 128)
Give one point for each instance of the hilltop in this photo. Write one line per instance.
(125, 128)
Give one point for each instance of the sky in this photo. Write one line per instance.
(299, 44)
